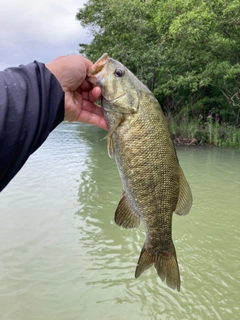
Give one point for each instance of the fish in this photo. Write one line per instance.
(154, 185)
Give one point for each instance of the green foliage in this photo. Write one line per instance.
(201, 133)
(202, 53)
(126, 31)
(186, 51)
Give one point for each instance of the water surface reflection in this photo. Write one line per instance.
(62, 256)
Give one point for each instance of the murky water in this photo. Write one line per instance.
(62, 257)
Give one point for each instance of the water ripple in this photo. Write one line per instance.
(62, 256)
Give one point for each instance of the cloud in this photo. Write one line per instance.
(42, 31)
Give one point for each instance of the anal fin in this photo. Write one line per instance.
(124, 216)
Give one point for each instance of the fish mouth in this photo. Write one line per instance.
(96, 68)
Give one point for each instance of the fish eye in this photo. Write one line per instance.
(119, 73)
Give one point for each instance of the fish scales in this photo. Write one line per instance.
(141, 163)
(154, 185)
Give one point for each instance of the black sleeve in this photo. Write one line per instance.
(31, 106)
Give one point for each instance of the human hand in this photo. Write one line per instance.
(80, 95)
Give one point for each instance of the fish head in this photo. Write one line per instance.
(117, 83)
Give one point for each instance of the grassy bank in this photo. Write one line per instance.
(209, 132)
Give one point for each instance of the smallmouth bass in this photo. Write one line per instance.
(154, 185)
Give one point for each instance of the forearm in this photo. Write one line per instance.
(31, 106)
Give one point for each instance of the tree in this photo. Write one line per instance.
(202, 58)
(127, 32)
(186, 51)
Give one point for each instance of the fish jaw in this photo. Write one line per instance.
(94, 74)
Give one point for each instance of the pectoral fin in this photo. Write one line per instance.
(119, 120)
(110, 147)
(124, 216)
(185, 195)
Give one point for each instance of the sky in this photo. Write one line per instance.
(39, 30)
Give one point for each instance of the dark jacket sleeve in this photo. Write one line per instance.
(31, 106)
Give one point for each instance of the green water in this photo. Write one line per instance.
(62, 257)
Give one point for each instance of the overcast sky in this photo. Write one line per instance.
(39, 30)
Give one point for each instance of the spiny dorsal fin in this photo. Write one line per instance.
(124, 216)
(185, 195)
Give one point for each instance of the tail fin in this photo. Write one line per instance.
(165, 263)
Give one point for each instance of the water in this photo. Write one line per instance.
(62, 257)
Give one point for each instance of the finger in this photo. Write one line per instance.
(88, 87)
(92, 118)
(92, 108)
(85, 86)
(93, 95)
(88, 63)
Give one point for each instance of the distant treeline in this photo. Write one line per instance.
(187, 52)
